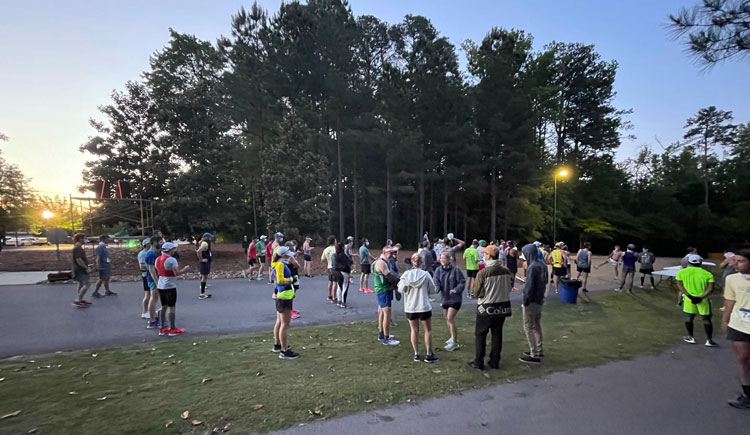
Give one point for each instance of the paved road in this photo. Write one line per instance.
(682, 391)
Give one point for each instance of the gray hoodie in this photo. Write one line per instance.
(536, 276)
(416, 286)
(450, 278)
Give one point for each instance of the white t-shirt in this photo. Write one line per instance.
(167, 282)
(480, 252)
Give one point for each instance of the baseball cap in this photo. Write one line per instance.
(279, 234)
(537, 243)
(206, 235)
(146, 242)
(631, 247)
(695, 259)
(263, 237)
(284, 251)
(388, 249)
(168, 245)
(350, 238)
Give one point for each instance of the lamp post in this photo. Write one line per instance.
(560, 173)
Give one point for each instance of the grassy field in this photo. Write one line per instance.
(236, 383)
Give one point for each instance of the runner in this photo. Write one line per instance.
(471, 259)
(284, 302)
(152, 277)
(566, 257)
(557, 259)
(695, 284)
(204, 258)
(327, 257)
(365, 266)
(146, 246)
(252, 260)
(260, 247)
(343, 267)
(452, 245)
(480, 256)
(613, 259)
(511, 259)
(307, 252)
(269, 254)
(416, 285)
(168, 270)
(438, 248)
(293, 265)
(426, 255)
(583, 264)
(383, 280)
(450, 282)
(492, 288)
(628, 268)
(736, 321)
(727, 265)
(685, 260)
(104, 266)
(647, 260)
(533, 298)
(80, 270)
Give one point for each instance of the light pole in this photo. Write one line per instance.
(560, 173)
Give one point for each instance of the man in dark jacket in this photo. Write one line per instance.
(426, 256)
(450, 281)
(492, 288)
(533, 298)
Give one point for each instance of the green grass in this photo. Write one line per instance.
(342, 369)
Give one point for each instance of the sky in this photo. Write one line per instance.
(59, 61)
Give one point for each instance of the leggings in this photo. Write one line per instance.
(343, 287)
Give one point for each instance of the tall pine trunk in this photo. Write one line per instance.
(505, 215)
(445, 208)
(355, 194)
(493, 202)
(388, 202)
(705, 169)
(431, 226)
(339, 180)
(420, 226)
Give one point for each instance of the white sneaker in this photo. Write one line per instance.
(259, 278)
(711, 343)
(688, 339)
(452, 346)
(450, 340)
(244, 274)
(618, 290)
(391, 342)
(145, 316)
(641, 286)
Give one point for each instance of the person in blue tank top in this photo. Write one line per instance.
(628, 268)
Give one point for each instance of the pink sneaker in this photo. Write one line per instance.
(295, 314)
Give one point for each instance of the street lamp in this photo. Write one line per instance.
(561, 173)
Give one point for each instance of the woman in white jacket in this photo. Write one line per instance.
(416, 285)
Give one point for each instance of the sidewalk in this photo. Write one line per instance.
(682, 391)
(23, 278)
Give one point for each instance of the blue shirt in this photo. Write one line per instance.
(150, 261)
(629, 259)
(364, 255)
(102, 254)
(142, 259)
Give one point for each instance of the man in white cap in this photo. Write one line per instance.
(695, 284)
(145, 247)
(168, 270)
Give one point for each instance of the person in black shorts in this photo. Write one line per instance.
(416, 285)
(647, 260)
(450, 281)
(168, 270)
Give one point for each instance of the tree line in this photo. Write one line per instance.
(313, 121)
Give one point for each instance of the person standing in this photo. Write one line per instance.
(695, 284)
(343, 267)
(492, 289)
(533, 298)
(104, 266)
(252, 260)
(284, 302)
(416, 285)
(80, 271)
(511, 259)
(307, 253)
(450, 282)
(365, 266)
(168, 270)
(613, 259)
(628, 268)
(559, 270)
(583, 264)
(383, 274)
(647, 259)
(727, 265)
(438, 248)
(146, 246)
(269, 255)
(736, 321)
(685, 262)
(245, 244)
(260, 248)
(204, 262)
(471, 258)
(426, 257)
(453, 245)
(480, 255)
(327, 256)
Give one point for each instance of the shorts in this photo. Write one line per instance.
(168, 297)
(646, 270)
(283, 305)
(307, 257)
(261, 260)
(252, 261)
(204, 268)
(455, 305)
(735, 335)
(471, 273)
(628, 269)
(385, 299)
(586, 269)
(331, 275)
(151, 285)
(145, 284)
(559, 271)
(105, 272)
(366, 268)
(82, 278)
(690, 309)
(419, 316)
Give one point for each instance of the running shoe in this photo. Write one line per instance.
(367, 290)
(87, 303)
(276, 348)
(431, 358)
(450, 340)
(295, 314)
(259, 278)
(391, 342)
(618, 290)
(273, 296)
(164, 331)
(79, 304)
(585, 291)
(742, 402)
(711, 343)
(145, 316)
(688, 339)
(204, 296)
(541, 354)
(641, 286)
(393, 324)
(362, 289)
(152, 325)
(176, 331)
(96, 295)
(475, 366)
(110, 293)
(417, 358)
(288, 354)
(528, 359)
(450, 347)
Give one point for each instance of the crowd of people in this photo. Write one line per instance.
(490, 274)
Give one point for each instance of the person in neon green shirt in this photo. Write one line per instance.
(471, 256)
(695, 284)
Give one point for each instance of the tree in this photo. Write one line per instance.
(714, 30)
(706, 130)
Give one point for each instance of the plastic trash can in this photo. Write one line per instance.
(569, 290)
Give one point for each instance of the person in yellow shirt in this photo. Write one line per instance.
(736, 321)
(327, 257)
(559, 269)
